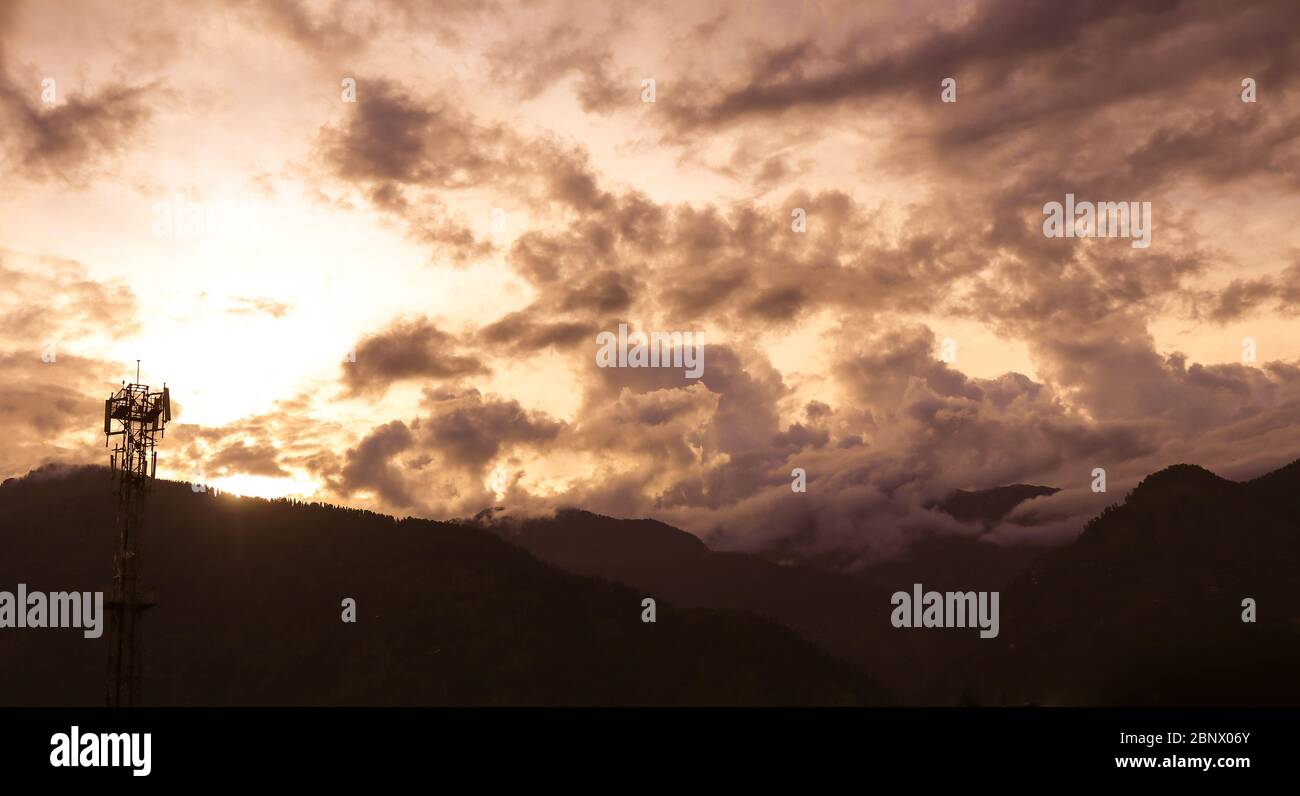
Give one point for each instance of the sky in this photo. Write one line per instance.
(371, 247)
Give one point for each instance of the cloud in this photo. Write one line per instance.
(51, 410)
(73, 139)
(601, 86)
(436, 463)
(288, 439)
(392, 137)
(1243, 297)
(336, 30)
(923, 218)
(715, 456)
(240, 457)
(259, 306)
(1015, 45)
(54, 321)
(408, 349)
(50, 298)
(469, 429)
(520, 331)
(368, 465)
(409, 155)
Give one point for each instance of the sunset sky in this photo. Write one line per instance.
(475, 380)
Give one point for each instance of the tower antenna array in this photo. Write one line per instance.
(135, 416)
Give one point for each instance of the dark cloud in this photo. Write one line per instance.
(1008, 39)
(436, 463)
(73, 139)
(469, 429)
(240, 457)
(1242, 297)
(50, 409)
(778, 303)
(604, 292)
(368, 466)
(522, 332)
(408, 154)
(408, 349)
(392, 137)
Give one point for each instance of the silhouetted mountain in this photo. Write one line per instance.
(991, 505)
(1145, 607)
(250, 601)
(1105, 619)
(847, 614)
(954, 562)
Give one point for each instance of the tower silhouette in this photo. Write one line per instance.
(139, 415)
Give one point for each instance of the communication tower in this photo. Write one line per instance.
(135, 416)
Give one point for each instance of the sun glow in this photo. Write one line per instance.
(262, 486)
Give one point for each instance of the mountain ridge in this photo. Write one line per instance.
(1146, 607)
(1143, 607)
(848, 614)
(249, 613)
